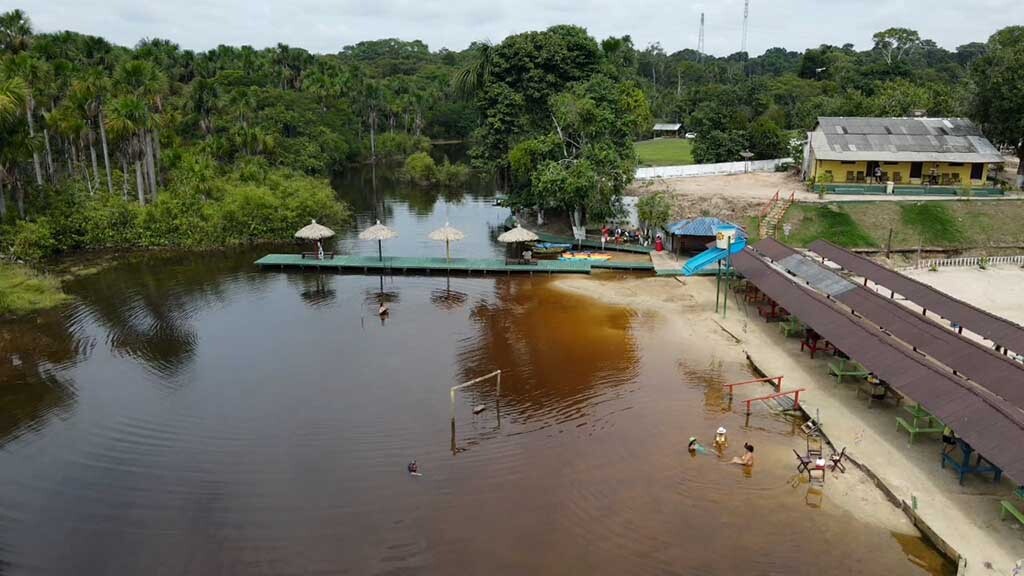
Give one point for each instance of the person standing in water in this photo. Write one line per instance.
(748, 456)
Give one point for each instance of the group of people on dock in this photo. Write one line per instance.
(719, 445)
(624, 236)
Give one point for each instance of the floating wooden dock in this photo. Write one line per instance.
(393, 264)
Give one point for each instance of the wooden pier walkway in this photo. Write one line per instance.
(394, 264)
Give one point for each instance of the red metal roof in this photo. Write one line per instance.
(997, 329)
(989, 423)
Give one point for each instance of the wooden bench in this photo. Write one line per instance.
(914, 430)
(1009, 507)
(315, 256)
(846, 368)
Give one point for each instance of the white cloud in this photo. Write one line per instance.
(327, 25)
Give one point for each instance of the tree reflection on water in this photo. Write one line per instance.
(35, 353)
(148, 305)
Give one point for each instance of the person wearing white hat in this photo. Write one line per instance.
(721, 440)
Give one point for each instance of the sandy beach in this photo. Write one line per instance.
(965, 518)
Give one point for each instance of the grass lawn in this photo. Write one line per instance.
(664, 152)
(945, 224)
(23, 290)
(828, 221)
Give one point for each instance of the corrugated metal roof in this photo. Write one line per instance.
(822, 280)
(999, 374)
(901, 140)
(997, 329)
(669, 127)
(990, 424)
(703, 226)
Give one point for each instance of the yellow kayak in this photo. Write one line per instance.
(585, 256)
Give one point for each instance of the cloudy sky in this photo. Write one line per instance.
(328, 25)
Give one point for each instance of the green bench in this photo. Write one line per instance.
(914, 429)
(1009, 507)
(846, 368)
(792, 327)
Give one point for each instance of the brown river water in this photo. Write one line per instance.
(189, 414)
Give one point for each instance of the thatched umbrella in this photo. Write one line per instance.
(314, 232)
(517, 235)
(378, 232)
(446, 234)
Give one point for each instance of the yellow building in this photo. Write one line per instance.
(865, 154)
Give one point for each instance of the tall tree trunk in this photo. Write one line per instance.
(138, 182)
(150, 164)
(106, 154)
(156, 153)
(3, 198)
(85, 170)
(1020, 167)
(20, 197)
(373, 136)
(124, 177)
(95, 166)
(49, 155)
(32, 132)
(67, 156)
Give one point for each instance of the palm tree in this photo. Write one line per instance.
(146, 84)
(35, 73)
(13, 94)
(127, 120)
(475, 75)
(68, 121)
(15, 32)
(202, 102)
(92, 90)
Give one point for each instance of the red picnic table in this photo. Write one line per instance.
(753, 294)
(772, 312)
(814, 342)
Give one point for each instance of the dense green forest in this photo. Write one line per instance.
(108, 146)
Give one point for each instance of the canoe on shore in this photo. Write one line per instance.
(585, 256)
(549, 247)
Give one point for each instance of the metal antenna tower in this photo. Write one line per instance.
(746, 17)
(700, 38)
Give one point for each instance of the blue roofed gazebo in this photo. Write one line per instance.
(693, 234)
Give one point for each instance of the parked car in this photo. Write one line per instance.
(691, 135)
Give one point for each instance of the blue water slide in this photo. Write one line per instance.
(710, 256)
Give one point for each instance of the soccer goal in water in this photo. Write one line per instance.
(496, 375)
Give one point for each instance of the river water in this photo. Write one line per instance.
(188, 414)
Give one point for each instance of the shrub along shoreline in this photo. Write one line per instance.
(203, 207)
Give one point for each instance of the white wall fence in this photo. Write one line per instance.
(649, 173)
(966, 262)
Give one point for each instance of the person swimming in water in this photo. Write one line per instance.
(748, 456)
(383, 310)
(695, 447)
(414, 468)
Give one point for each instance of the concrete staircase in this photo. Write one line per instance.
(772, 214)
